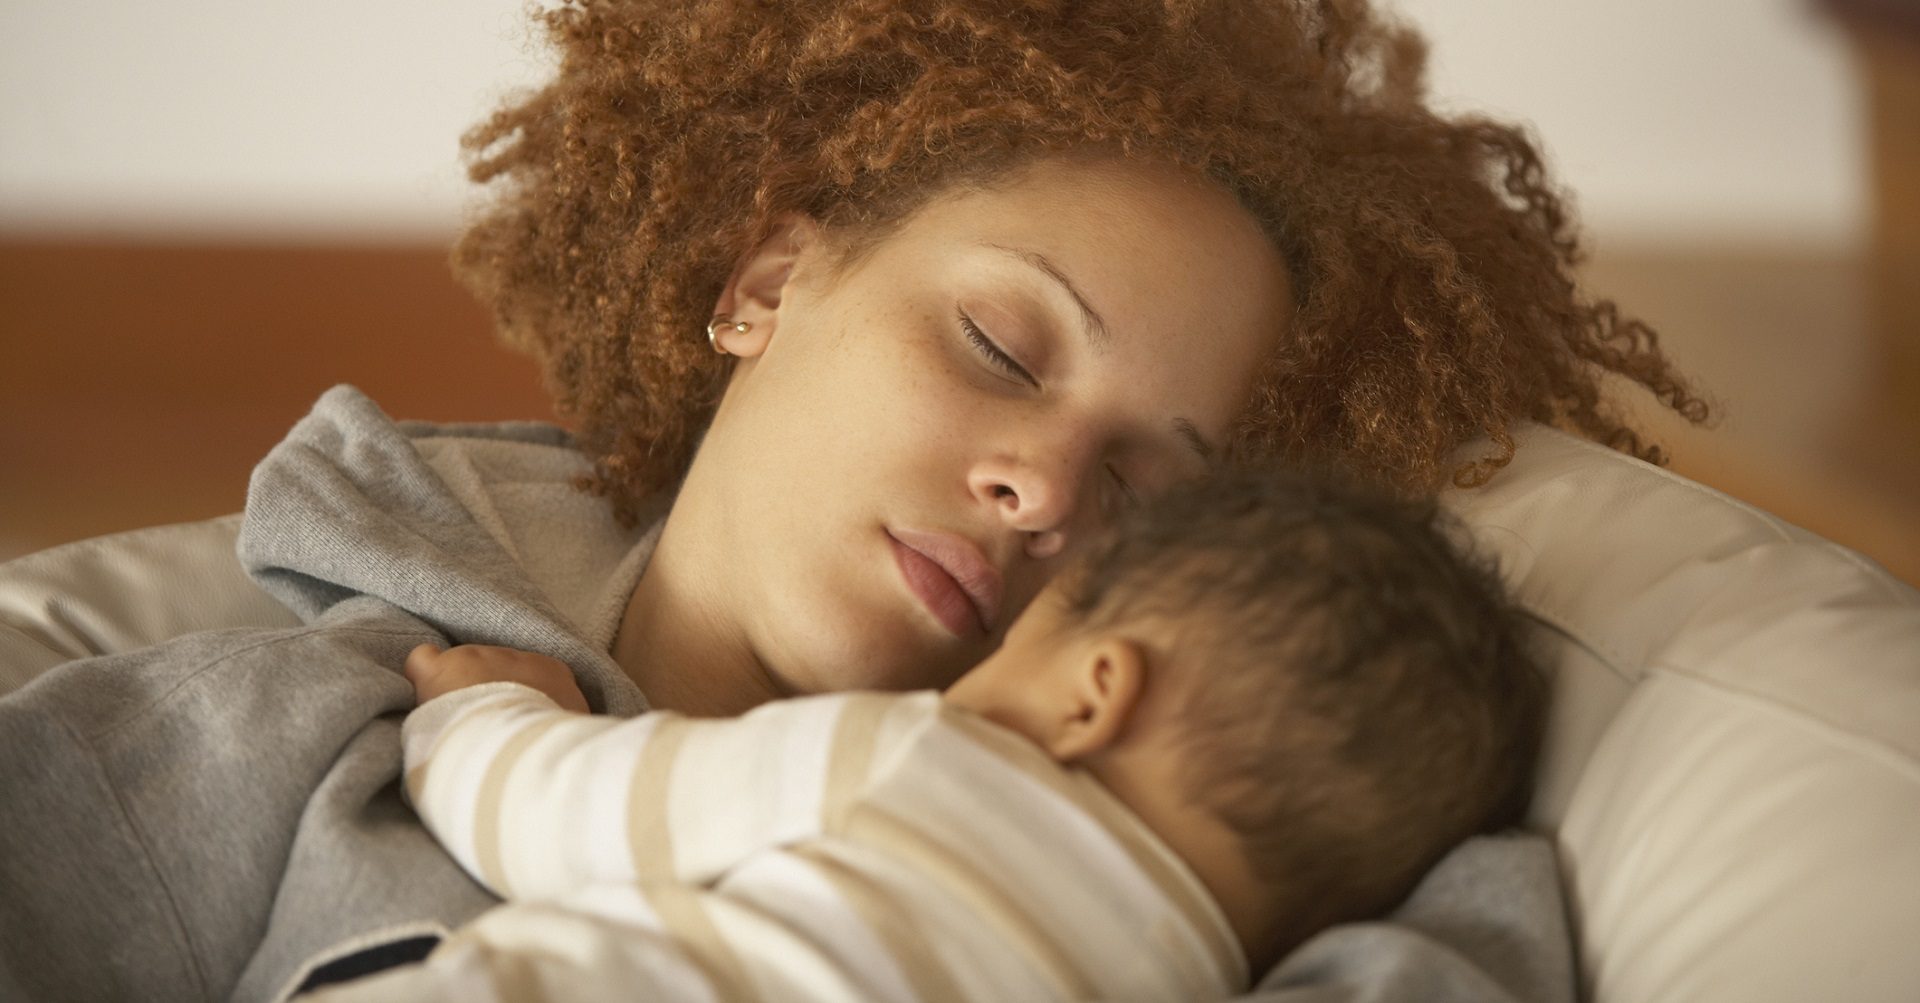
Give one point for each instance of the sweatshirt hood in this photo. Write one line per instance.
(347, 505)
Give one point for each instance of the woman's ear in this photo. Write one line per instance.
(759, 286)
(1103, 694)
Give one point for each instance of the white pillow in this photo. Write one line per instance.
(1733, 760)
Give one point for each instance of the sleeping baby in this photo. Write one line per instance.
(1265, 706)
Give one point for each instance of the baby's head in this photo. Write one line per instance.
(1304, 688)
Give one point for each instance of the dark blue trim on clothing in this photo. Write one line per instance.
(367, 961)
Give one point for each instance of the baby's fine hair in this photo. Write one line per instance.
(1355, 689)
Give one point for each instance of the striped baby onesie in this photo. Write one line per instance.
(851, 846)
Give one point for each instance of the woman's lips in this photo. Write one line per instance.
(951, 577)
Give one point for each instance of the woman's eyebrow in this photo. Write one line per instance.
(1090, 319)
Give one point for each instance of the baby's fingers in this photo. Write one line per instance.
(420, 664)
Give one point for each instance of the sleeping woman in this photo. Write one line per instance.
(863, 316)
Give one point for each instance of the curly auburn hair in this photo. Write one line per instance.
(1433, 259)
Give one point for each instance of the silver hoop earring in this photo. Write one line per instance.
(713, 331)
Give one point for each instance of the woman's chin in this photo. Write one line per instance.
(895, 660)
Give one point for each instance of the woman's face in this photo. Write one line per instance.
(908, 449)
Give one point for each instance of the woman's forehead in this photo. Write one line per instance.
(1115, 194)
(1135, 239)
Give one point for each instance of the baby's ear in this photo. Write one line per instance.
(1104, 693)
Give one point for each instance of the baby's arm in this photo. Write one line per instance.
(535, 801)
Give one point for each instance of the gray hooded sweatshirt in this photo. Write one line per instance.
(219, 816)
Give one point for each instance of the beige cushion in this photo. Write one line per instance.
(125, 591)
(1732, 766)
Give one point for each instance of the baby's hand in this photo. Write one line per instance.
(434, 672)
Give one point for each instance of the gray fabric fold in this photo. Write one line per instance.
(1486, 925)
(204, 819)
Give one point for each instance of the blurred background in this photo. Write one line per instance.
(212, 210)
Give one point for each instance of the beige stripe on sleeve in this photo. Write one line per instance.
(685, 918)
(899, 838)
(649, 827)
(417, 781)
(650, 841)
(486, 814)
(516, 977)
(904, 940)
(850, 754)
(1183, 891)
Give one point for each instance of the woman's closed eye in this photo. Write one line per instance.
(993, 353)
(1127, 494)
(998, 358)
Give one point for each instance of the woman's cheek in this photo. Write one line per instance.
(947, 388)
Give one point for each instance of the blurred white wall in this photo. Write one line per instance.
(335, 119)
(1674, 121)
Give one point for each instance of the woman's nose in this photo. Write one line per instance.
(1037, 502)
